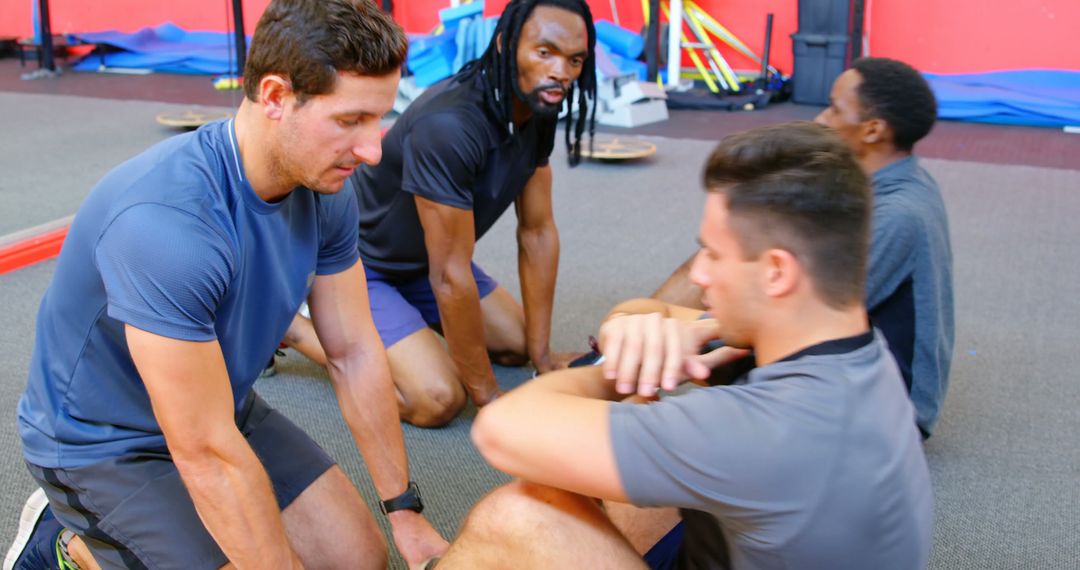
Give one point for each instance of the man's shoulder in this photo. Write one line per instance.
(904, 178)
(186, 160)
(453, 107)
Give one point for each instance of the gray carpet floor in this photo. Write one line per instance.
(1005, 460)
(53, 148)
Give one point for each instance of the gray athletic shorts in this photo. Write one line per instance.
(133, 511)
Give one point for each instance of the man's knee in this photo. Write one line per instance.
(434, 403)
(518, 508)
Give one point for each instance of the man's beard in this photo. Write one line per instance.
(537, 105)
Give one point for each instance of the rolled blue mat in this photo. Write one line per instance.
(622, 42)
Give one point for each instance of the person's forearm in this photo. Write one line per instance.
(538, 266)
(644, 306)
(584, 382)
(639, 306)
(365, 393)
(463, 328)
(235, 501)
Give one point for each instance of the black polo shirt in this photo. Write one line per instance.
(448, 147)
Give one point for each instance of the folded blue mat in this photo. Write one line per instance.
(1038, 97)
(165, 48)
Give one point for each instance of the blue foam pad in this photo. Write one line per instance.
(431, 58)
(620, 41)
(1038, 97)
(609, 64)
(163, 48)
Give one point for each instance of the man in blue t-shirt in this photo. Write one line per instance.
(882, 108)
(461, 155)
(180, 273)
(811, 460)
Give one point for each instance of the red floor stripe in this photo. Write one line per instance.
(32, 250)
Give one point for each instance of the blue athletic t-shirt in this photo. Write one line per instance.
(174, 242)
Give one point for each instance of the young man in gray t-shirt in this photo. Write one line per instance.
(811, 460)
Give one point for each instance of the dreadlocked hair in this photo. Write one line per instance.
(499, 65)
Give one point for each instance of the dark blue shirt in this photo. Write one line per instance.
(174, 242)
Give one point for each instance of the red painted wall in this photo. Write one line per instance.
(945, 37)
(956, 36)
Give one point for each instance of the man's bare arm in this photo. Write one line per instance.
(554, 431)
(642, 306)
(538, 264)
(192, 400)
(449, 235)
(360, 373)
(679, 290)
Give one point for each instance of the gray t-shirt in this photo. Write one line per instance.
(813, 461)
(909, 285)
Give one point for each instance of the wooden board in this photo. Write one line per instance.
(609, 147)
(191, 119)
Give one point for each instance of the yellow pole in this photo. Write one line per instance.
(725, 69)
(721, 32)
(693, 54)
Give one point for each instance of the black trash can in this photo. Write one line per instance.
(819, 60)
(825, 16)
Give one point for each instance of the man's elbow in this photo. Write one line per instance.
(450, 279)
(197, 461)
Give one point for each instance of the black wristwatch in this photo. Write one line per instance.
(410, 500)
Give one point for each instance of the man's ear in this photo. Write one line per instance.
(783, 272)
(498, 43)
(876, 131)
(274, 93)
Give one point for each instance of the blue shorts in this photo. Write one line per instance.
(133, 511)
(664, 555)
(402, 307)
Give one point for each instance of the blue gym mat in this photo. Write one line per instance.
(166, 48)
(1038, 97)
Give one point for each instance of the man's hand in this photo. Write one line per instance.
(484, 395)
(555, 361)
(416, 540)
(643, 353)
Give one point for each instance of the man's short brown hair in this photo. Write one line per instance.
(310, 41)
(798, 187)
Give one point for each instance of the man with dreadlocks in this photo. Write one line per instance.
(452, 164)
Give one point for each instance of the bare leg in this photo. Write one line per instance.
(504, 331)
(329, 526)
(301, 337)
(429, 391)
(522, 525)
(504, 328)
(678, 290)
(80, 554)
